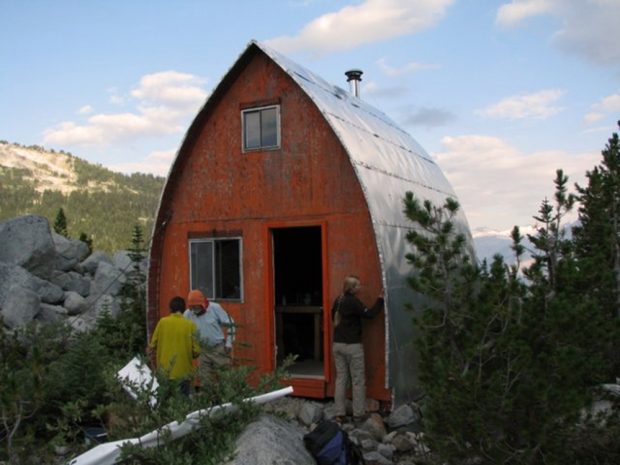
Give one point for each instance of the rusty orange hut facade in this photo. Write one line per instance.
(283, 185)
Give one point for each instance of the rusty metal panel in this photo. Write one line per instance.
(388, 162)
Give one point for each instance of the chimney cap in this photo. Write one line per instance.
(354, 75)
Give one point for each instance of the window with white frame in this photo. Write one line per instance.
(261, 128)
(215, 267)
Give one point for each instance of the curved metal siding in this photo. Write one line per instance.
(388, 162)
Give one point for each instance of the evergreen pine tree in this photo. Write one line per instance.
(597, 238)
(597, 246)
(133, 294)
(508, 366)
(124, 336)
(60, 223)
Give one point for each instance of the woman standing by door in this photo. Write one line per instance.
(348, 351)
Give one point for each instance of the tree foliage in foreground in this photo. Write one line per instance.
(512, 357)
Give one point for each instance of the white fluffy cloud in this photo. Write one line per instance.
(367, 22)
(85, 110)
(500, 186)
(164, 102)
(516, 11)
(157, 163)
(606, 106)
(537, 105)
(588, 28)
(172, 88)
(104, 129)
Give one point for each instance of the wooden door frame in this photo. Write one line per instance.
(270, 290)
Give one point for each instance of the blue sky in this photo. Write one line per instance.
(500, 92)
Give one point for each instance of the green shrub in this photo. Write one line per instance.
(510, 363)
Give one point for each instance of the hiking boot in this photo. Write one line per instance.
(340, 419)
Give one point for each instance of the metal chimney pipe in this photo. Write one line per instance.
(354, 77)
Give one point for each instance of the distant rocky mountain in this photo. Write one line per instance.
(100, 203)
(43, 169)
(489, 242)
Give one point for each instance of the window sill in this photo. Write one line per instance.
(262, 149)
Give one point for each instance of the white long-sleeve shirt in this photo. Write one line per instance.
(211, 323)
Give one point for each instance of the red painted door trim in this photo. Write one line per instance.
(270, 291)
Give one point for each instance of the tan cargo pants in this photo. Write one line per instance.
(210, 359)
(349, 360)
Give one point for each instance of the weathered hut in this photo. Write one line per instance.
(283, 185)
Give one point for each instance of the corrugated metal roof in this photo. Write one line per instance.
(388, 162)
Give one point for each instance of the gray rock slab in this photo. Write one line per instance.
(108, 280)
(271, 441)
(375, 426)
(358, 435)
(387, 450)
(310, 412)
(375, 458)
(60, 278)
(20, 307)
(287, 406)
(402, 443)
(74, 303)
(79, 284)
(72, 281)
(122, 261)
(27, 242)
(49, 292)
(51, 313)
(401, 416)
(69, 252)
(91, 263)
(12, 276)
(368, 444)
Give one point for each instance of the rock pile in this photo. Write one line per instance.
(46, 277)
(277, 436)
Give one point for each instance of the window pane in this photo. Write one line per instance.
(227, 266)
(251, 127)
(269, 127)
(201, 256)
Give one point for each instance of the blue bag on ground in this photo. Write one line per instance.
(330, 445)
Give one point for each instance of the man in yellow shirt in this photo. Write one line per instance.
(176, 342)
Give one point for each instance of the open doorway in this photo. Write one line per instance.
(298, 287)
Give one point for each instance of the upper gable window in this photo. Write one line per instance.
(261, 128)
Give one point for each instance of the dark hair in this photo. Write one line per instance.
(177, 304)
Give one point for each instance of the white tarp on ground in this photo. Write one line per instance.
(137, 377)
(106, 454)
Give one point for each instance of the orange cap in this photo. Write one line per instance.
(196, 297)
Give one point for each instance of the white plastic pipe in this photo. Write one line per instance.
(106, 454)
